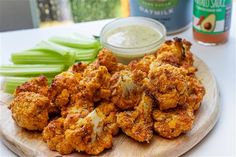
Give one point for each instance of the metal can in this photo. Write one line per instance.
(176, 15)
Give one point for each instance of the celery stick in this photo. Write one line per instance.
(21, 80)
(20, 66)
(50, 46)
(10, 83)
(79, 52)
(31, 71)
(84, 37)
(41, 57)
(74, 42)
(89, 61)
(85, 51)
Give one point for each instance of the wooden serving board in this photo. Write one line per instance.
(25, 143)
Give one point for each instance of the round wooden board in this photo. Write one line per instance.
(26, 143)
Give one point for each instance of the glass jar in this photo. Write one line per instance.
(211, 21)
(132, 37)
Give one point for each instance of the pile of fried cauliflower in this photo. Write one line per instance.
(87, 105)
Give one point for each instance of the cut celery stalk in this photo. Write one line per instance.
(41, 57)
(85, 51)
(86, 56)
(79, 52)
(20, 66)
(88, 61)
(31, 71)
(10, 83)
(83, 37)
(51, 47)
(74, 42)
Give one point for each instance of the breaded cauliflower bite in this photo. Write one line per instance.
(138, 124)
(142, 64)
(93, 133)
(176, 52)
(36, 85)
(30, 110)
(107, 59)
(171, 123)
(63, 87)
(54, 136)
(125, 93)
(168, 84)
(196, 91)
(78, 67)
(94, 85)
(79, 110)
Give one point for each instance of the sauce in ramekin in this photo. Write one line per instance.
(133, 37)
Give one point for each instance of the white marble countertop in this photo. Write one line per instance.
(221, 60)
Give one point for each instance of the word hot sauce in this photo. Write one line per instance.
(211, 21)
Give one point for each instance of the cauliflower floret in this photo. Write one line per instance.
(176, 53)
(63, 87)
(78, 67)
(110, 122)
(36, 85)
(168, 84)
(93, 133)
(30, 110)
(54, 136)
(107, 59)
(140, 69)
(79, 110)
(196, 91)
(138, 124)
(142, 64)
(125, 93)
(171, 123)
(94, 85)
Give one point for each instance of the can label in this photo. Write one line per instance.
(174, 14)
(212, 16)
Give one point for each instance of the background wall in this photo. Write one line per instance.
(16, 14)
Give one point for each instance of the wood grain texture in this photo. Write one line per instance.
(25, 143)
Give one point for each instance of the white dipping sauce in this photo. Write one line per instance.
(131, 36)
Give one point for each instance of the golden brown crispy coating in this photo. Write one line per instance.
(142, 64)
(36, 85)
(125, 93)
(80, 103)
(177, 53)
(30, 110)
(94, 85)
(107, 59)
(54, 136)
(63, 87)
(110, 122)
(97, 99)
(79, 110)
(196, 91)
(78, 67)
(168, 84)
(140, 68)
(93, 133)
(171, 123)
(138, 124)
